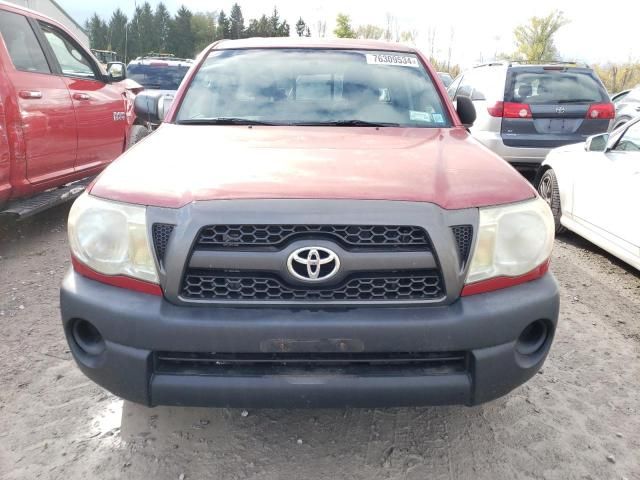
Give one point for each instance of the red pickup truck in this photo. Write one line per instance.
(63, 118)
(311, 226)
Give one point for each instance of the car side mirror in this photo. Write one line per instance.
(152, 106)
(466, 110)
(597, 143)
(117, 71)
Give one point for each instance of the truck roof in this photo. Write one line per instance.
(304, 42)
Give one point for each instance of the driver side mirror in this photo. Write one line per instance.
(597, 143)
(117, 71)
(152, 106)
(466, 110)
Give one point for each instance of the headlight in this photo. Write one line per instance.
(512, 240)
(111, 238)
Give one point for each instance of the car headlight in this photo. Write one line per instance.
(111, 238)
(513, 240)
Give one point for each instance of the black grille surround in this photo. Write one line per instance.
(161, 233)
(283, 363)
(257, 286)
(464, 240)
(354, 236)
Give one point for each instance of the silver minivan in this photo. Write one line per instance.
(525, 110)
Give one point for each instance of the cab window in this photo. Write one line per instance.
(72, 59)
(22, 44)
(630, 141)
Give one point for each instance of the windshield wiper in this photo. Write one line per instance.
(348, 123)
(223, 121)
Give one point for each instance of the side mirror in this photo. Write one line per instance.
(117, 71)
(466, 110)
(152, 106)
(597, 143)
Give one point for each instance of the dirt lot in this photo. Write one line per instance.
(580, 418)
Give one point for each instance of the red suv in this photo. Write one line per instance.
(312, 225)
(62, 117)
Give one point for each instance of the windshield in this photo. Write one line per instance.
(314, 87)
(555, 86)
(159, 76)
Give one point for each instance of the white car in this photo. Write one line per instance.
(593, 189)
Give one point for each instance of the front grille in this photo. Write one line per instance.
(161, 234)
(252, 364)
(257, 286)
(358, 236)
(464, 239)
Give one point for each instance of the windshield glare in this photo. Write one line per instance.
(313, 86)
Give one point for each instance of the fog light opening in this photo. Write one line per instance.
(532, 338)
(87, 337)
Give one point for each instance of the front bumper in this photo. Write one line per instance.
(136, 326)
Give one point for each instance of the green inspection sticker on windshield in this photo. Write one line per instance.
(391, 59)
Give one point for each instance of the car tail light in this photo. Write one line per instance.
(601, 111)
(158, 64)
(496, 109)
(516, 110)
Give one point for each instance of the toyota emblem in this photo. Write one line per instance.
(560, 110)
(313, 264)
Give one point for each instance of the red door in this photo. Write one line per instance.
(43, 101)
(99, 106)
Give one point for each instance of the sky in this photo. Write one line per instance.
(480, 29)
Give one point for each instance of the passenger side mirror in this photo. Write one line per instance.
(152, 106)
(466, 110)
(597, 143)
(117, 71)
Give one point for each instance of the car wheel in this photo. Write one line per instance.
(138, 132)
(550, 193)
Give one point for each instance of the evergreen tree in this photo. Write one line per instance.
(161, 26)
(118, 33)
(343, 27)
(181, 38)
(223, 30)
(98, 32)
(134, 43)
(301, 27)
(146, 31)
(236, 22)
(203, 26)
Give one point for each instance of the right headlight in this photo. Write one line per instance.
(513, 240)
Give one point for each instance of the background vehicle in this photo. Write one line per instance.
(618, 97)
(627, 107)
(158, 74)
(526, 110)
(105, 57)
(446, 78)
(62, 117)
(593, 189)
(347, 243)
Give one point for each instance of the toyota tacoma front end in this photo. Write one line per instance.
(332, 237)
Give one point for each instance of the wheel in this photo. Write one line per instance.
(550, 193)
(138, 132)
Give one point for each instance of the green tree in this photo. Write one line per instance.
(223, 30)
(134, 41)
(146, 31)
(98, 32)
(236, 22)
(118, 33)
(161, 26)
(534, 40)
(301, 27)
(181, 38)
(343, 27)
(373, 32)
(203, 26)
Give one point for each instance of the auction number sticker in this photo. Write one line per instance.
(396, 60)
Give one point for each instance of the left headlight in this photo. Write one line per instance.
(111, 238)
(513, 240)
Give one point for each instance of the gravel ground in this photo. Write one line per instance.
(580, 418)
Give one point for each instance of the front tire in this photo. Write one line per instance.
(138, 132)
(550, 193)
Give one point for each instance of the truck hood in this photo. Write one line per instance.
(180, 164)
